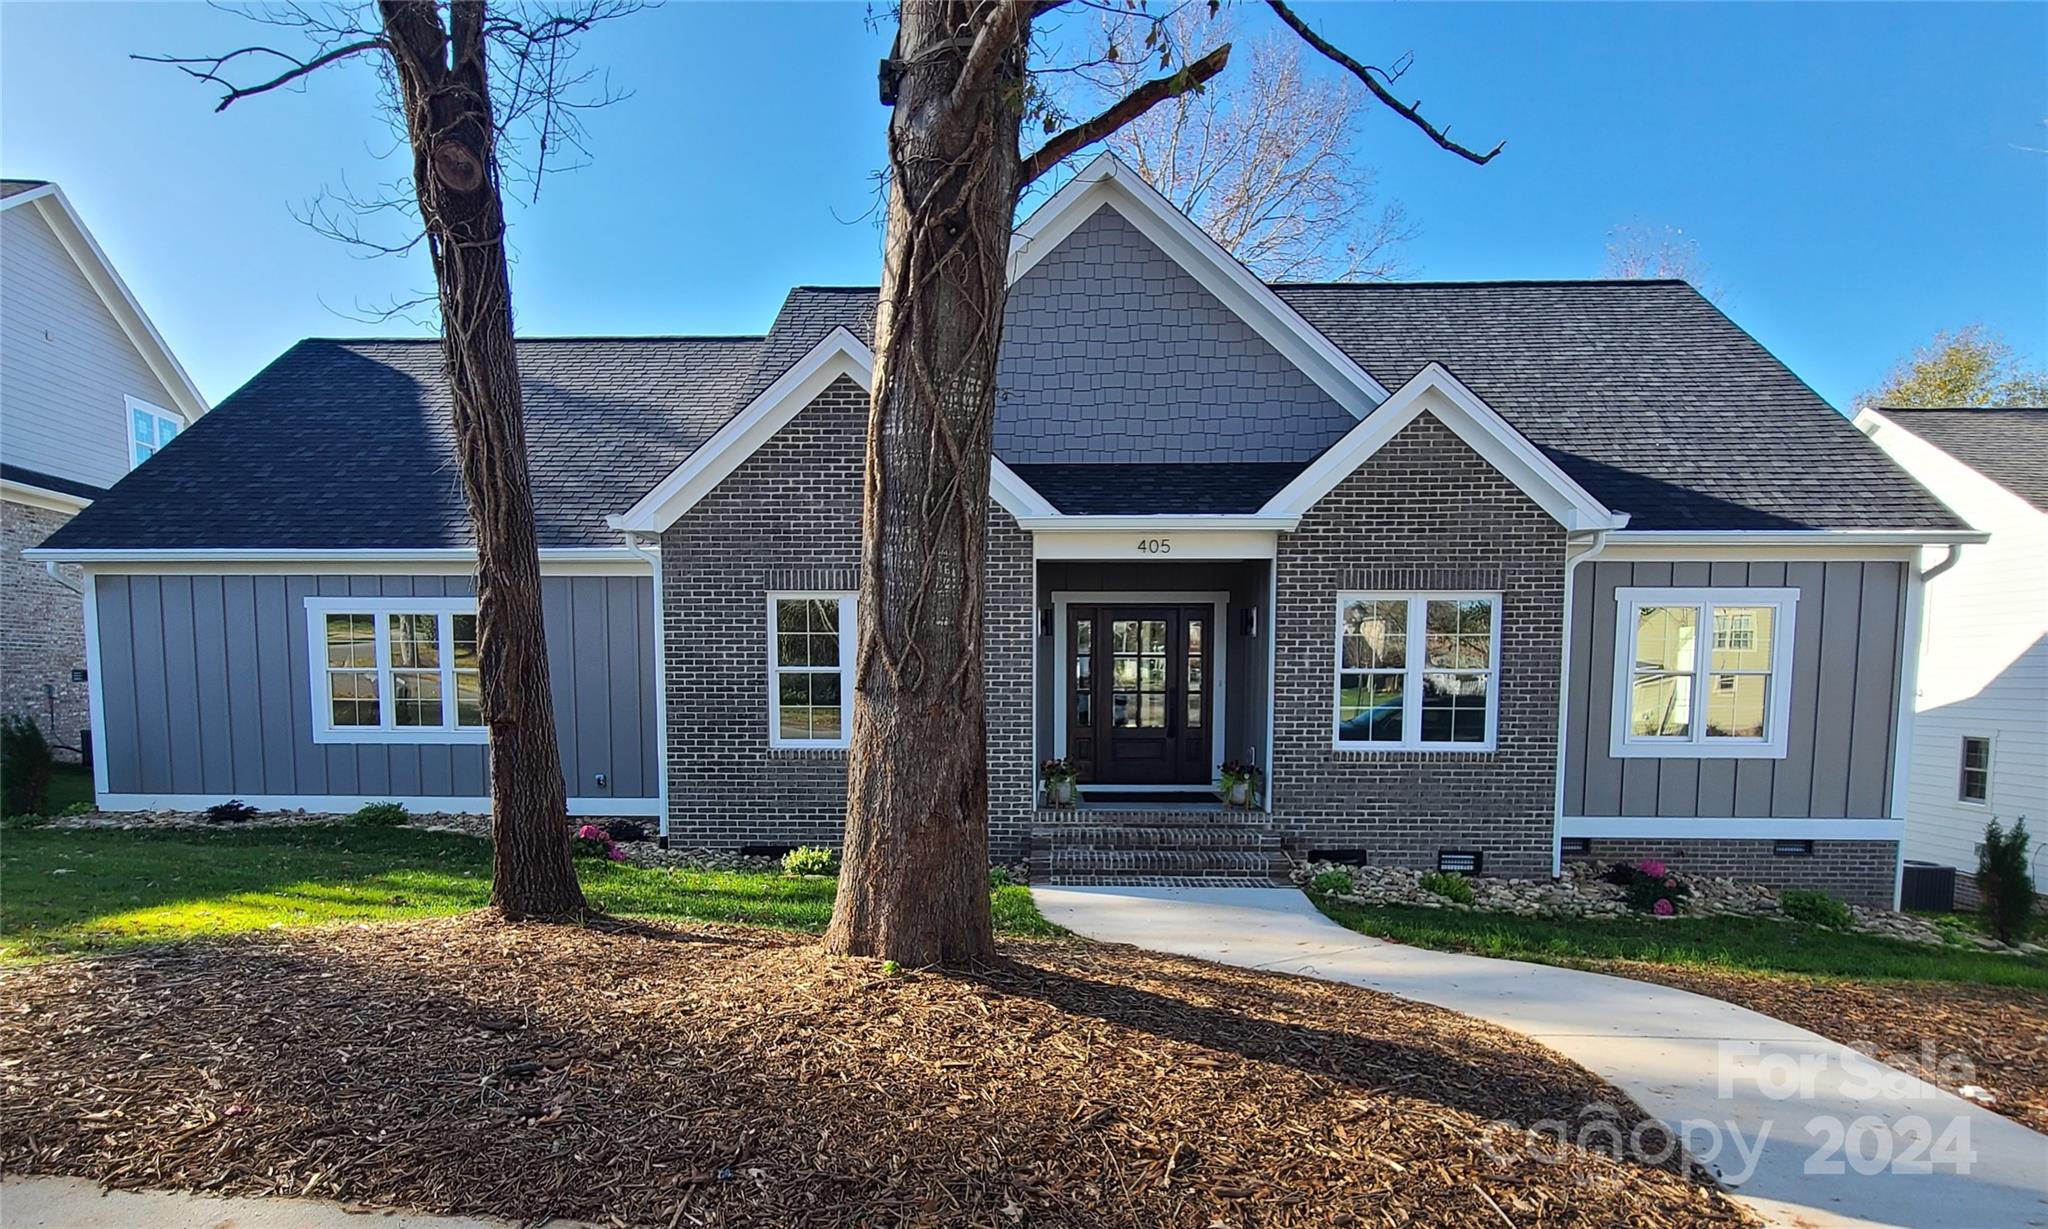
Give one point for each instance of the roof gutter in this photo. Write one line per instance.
(1797, 537)
(397, 557)
(1158, 524)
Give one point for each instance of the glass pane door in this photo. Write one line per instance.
(1139, 650)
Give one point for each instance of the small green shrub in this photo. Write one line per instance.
(1649, 886)
(2004, 883)
(1450, 887)
(233, 811)
(1328, 882)
(891, 969)
(1000, 877)
(380, 815)
(810, 860)
(77, 808)
(24, 767)
(1818, 908)
(26, 820)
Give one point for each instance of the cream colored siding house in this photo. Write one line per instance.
(1980, 731)
(88, 391)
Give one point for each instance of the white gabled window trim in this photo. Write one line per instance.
(145, 419)
(1980, 773)
(380, 611)
(847, 606)
(1696, 742)
(1414, 665)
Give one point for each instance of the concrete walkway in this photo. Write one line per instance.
(71, 1203)
(1807, 1132)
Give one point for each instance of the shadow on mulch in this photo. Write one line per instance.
(722, 1075)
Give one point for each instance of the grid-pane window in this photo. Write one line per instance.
(810, 689)
(149, 429)
(1702, 672)
(402, 669)
(1974, 784)
(1416, 670)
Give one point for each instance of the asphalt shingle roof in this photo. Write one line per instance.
(1092, 490)
(347, 444)
(2010, 447)
(15, 187)
(1643, 391)
(50, 482)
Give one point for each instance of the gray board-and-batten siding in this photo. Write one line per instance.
(204, 690)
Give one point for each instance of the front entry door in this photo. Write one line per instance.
(1138, 704)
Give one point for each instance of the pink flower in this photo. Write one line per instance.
(591, 832)
(1663, 908)
(615, 854)
(1651, 867)
(1671, 883)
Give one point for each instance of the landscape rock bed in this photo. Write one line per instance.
(1581, 893)
(720, 1075)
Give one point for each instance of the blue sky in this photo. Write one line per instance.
(1858, 176)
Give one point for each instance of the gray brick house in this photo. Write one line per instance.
(1494, 573)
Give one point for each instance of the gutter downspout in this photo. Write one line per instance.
(635, 542)
(1564, 699)
(52, 567)
(1915, 636)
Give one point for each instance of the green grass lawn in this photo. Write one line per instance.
(63, 891)
(1749, 945)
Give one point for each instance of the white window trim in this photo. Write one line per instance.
(1413, 669)
(849, 641)
(382, 608)
(1963, 759)
(136, 405)
(1699, 746)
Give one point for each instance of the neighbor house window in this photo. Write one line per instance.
(149, 429)
(1975, 782)
(810, 680)
(395, 670)
(1702, 672)
(1417, 671)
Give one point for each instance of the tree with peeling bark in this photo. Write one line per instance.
(914, 881)
(457, 74)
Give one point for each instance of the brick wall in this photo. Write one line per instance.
(789, 519)
(1861, 872)
(1425, 513)
(42, 629)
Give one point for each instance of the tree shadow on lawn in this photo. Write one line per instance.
(461, 1064)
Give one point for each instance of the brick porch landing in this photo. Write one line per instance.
(1134, 846)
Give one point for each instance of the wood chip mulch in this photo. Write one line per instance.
(727, 1076)
(1949, 1034)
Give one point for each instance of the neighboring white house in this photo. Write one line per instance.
(88, 391)
(1980, 735)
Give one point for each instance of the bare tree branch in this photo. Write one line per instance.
(1365, 73)
(1130, 107)
(299, 68)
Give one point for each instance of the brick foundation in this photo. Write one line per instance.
(1860, 872)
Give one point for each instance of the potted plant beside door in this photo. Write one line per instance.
(1059, 777)
(1238, 783)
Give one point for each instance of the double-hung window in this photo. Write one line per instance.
(394, 670)
(810, 669)
(1974, 782)
(149, 429)
(1703, 673)
(1417, 671)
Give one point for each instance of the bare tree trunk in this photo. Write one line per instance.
(915, 882)
(445, 93)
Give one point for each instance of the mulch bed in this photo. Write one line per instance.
(728, 1076)
(1993, 1037)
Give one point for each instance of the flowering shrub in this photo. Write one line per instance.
(592, 841)
(1649, 886)
(810, 860)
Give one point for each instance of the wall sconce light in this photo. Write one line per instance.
(1045, 621)
(1248, 621)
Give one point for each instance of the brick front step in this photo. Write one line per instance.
(1143, 816)
(1157, 849)
(1156, 836)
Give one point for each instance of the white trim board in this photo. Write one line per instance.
(239, 561)
(85, 252)
(1774, 745)
(1220, 668)
(1108, 181)
(1744, 541)
(1414, 665)
(1659, 827)
(342, 804)
(387, 733)
(41, 497)
(1436, 392)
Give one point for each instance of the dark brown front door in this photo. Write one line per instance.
(1138, 703)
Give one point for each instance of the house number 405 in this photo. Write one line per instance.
(1155, 546)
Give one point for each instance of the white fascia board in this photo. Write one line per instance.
(1624, 827)
(41, 497)
(1436, 391)
(1162, 523)
(840, 354)
(1108, 181)
(1805, 538)
(120, 302)
(610, 560)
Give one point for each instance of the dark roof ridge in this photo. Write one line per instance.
(1961, 409)
(434, 341)
(1440, 283)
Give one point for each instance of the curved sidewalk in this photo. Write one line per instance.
(1805, 1131)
